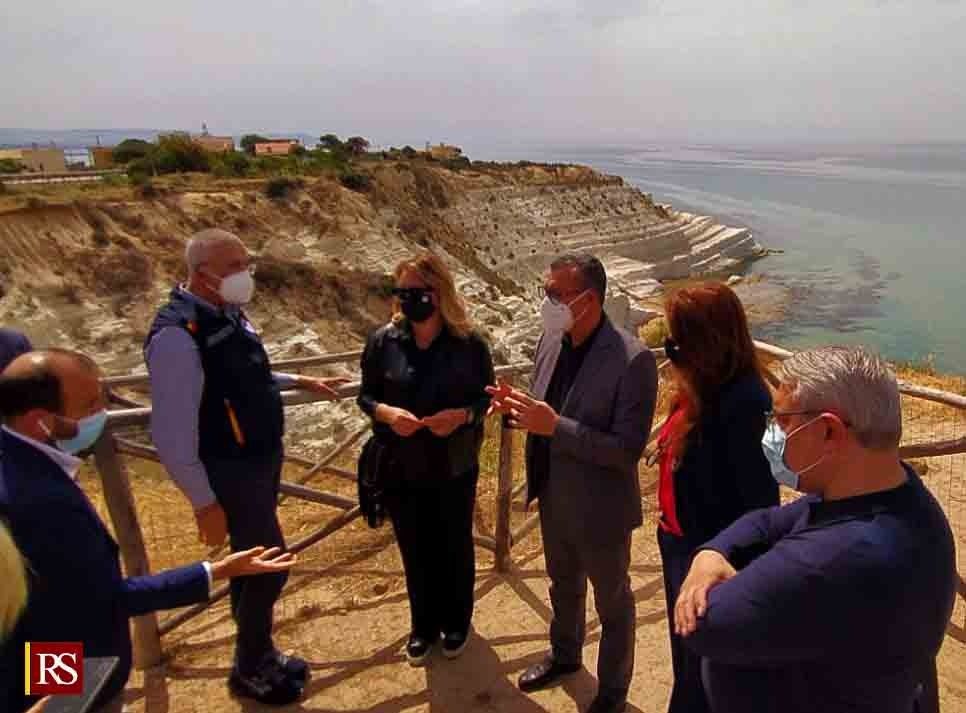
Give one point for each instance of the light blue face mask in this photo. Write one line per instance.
(89, 429)
(773, 444)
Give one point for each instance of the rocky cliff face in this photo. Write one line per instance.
(90, 274)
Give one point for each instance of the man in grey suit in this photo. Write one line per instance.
(588, 418)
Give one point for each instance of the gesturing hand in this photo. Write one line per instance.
(212, 525)
(445, 422)
(708, 569)
(402, 422)
(537, 417)
(499, 392)
(257, 560)
(327, 386)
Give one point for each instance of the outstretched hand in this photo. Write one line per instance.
(328, 385)
(257, 560)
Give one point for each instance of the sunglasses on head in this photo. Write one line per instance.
(411, 293)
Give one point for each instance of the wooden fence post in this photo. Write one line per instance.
(504, 498)
(120, 505)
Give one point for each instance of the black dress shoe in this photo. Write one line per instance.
(607, 704)
(268, 686)
(544, 673)
(294, 668)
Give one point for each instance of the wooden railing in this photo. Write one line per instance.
(121, 506)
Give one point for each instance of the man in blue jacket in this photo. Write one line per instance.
(52, 407)
(839, 601)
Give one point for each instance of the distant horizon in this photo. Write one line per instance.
(604, 144)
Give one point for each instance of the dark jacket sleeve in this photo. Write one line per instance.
(788, 606)
(620, 447)
(485, 377)
(370, 390)
(169, 589)
(743, 457)
(757, 531)
(74, 551)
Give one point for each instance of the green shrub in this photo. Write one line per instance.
(9, 165)
(233, 164)
(132, 149)
(356, 181)
(457, 164)
(147, 189)
(655, 331)
(177, 153)
(279, 188)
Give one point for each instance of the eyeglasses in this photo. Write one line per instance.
(771, 417)
(250, 267)
(558, 297)
(411, 293)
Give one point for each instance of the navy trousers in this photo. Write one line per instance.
(687, 692)
(247, 490)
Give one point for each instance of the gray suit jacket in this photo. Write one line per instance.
(593, 484)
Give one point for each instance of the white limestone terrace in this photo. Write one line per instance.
(517, 231)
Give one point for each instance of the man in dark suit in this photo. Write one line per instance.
(588, 420)
(12, 345)
(52, 407)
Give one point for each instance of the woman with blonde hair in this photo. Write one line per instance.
(712, 466)
(13, 592)
(423, 381)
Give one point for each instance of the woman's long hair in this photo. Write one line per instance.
(708, 323)
(13, 591)
(433, 271)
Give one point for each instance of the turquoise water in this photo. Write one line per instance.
(873, 237)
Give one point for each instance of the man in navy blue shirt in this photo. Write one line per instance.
(840, 600)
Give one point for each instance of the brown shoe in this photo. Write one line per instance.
(544, 673)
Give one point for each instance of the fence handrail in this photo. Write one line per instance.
(907, 388)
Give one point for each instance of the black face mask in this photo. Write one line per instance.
(416, 304)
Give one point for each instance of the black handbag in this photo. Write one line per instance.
(373, 461)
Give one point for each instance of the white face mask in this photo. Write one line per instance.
(237, 289)
(557, 317)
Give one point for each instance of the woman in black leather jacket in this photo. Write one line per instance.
(712, 467)
(423, 381)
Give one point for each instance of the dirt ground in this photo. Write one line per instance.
(344, 610)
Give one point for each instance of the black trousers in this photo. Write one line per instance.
(247, 490)
(434, 529)
(687, 692)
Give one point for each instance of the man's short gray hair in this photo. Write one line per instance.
(201, 243)
(853, 383)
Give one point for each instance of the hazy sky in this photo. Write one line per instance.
(413, 70)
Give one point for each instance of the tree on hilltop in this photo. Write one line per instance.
(248, 142)
(356, 145)
(131, 149)
(330, 141)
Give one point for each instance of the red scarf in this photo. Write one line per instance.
(668, 519)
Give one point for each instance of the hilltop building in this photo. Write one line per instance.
(40, 160)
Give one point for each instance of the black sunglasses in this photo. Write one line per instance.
(411, 293)
(672, 350)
